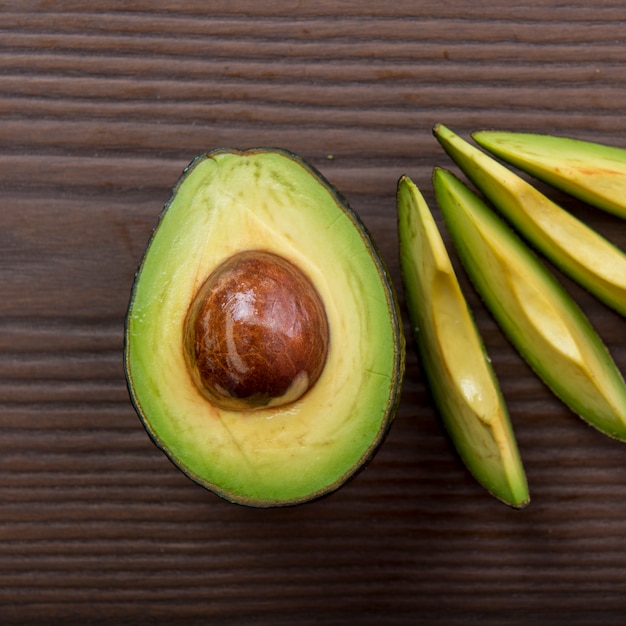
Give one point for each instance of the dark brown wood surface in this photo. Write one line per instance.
(102, 104)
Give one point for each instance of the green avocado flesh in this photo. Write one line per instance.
(592, 172)
(230, 202)
(577, 250)
(460, 377)
(541, 320)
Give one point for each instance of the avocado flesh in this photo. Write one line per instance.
(577, 250)
(592, 172)
(540, 318)
(228, 201)
(460, 377)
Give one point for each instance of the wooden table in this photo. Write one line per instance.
(102, 105)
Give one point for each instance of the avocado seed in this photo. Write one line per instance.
(256, 333)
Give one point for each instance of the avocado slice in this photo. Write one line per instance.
(575, 248)
(459, 373)
(533, 309)
(590, 171)
(264, 349)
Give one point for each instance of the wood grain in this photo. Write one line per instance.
(102, 105)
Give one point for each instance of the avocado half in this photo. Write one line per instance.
(271, 445)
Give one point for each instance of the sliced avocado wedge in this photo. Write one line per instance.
(264, 349)
(536, 313)
(592, 172)
(579, 251)
(457, 368)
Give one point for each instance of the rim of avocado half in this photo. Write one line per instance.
(290, 445)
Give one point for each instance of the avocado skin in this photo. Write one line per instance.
(539, 317)
(460, 377)
(592, 172)
(366, 441)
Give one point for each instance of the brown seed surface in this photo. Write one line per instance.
(256, 334)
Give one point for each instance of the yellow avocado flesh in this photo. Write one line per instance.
(536, 313)
(227, 202)
(592, 172)
(459, 374)
(571, 245)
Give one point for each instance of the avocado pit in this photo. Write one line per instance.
(256, 333)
